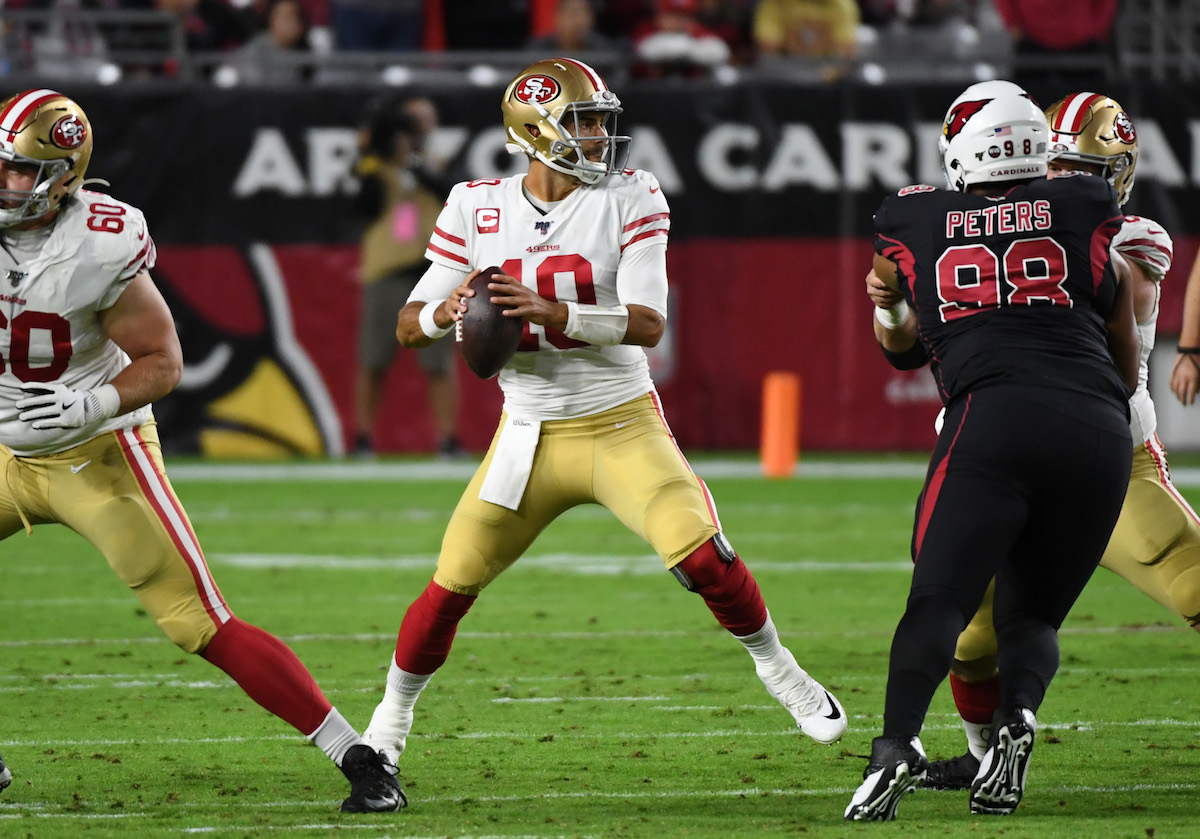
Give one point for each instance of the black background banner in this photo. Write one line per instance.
(218, 166)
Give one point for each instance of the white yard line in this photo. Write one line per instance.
(354, 471)
(376, 637)
(587, 564)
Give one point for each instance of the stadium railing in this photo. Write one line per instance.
(1155, 38)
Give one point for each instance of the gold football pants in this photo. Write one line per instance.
(1155, 546)
(624, 459)
(114, 492)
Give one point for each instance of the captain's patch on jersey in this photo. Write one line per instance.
(487, 219)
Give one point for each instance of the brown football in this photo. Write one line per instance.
(487, 339)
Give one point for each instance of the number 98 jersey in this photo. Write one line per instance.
(573, 251)
(1012, 288)
(54, 282)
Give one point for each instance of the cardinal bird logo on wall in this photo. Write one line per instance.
(958, 116)
(250, 388)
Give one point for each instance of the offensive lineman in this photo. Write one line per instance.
(1156, 543)
(582, 243)
(1029, 323)
(87, 344)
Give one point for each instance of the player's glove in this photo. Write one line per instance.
(54, 405)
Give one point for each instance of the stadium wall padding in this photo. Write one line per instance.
(772, 188)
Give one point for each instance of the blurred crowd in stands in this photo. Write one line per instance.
(275, 41)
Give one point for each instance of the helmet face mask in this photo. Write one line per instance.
(1094, 129)
(50, 134)
(561, 99)
(995, 137)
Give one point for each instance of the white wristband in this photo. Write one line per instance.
(107, 403)
(595, 324)
(428, 324)
(893, 318)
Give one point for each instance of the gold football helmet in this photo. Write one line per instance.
(1092, 128)
(550, 96)
(44, 129)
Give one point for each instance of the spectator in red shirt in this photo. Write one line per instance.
(1079, 29)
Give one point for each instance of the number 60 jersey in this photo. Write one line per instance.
(54, 282)
(1011, 287)
(584, 248)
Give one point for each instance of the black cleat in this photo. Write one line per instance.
(5, 774)
(373, 784)
(1000, 783)
(955, 773)
(897, 766)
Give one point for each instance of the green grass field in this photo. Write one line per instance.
(587, 695)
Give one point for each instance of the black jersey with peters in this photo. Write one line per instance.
(1009, 289)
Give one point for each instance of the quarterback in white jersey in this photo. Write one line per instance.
(581, 242)
(86, 344)
(566, 252)
(1156, 542)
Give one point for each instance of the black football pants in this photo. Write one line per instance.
(1024, 485)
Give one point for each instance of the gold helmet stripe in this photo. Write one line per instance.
(22, 107)
(1070, 117)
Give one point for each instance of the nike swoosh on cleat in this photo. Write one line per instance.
(835, 713)
(75, 470)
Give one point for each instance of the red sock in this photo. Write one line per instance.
(428, 628)
(728, 589)
(976, 701)
(270, 673)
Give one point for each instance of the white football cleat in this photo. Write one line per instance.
(816, 711)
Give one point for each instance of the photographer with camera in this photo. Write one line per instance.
(402, 194)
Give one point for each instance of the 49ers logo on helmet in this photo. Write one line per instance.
(958, 116)
(69, 132)
(1124, 127)
(535, 90)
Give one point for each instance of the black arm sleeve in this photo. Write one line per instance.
(912, 358)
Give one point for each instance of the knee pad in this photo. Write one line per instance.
(707, 565)
(714, 572)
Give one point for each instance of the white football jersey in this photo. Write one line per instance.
(50, 300)
(1145, 242)
(571, 252)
